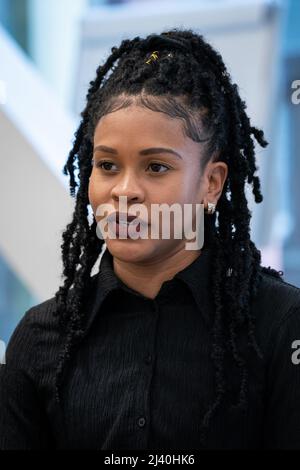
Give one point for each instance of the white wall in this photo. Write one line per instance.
(35, 138)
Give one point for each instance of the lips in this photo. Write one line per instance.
(124, 217)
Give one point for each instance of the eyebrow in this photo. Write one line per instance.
(149, 151)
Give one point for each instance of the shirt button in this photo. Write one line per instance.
(148, 359)
(141, 421)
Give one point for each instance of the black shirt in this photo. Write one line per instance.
(143, 377)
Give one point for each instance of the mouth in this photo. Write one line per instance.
(122, 218)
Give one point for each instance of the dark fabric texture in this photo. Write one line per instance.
(142, 377)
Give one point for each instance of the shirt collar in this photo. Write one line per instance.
(196, 276)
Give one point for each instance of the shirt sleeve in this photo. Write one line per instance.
(282, 419)
(23, 423)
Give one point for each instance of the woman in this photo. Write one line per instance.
(165, 347)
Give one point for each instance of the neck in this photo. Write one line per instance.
(148, 277)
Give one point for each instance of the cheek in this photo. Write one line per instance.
(190, 188)
(91, 191)
(182, 189)
(95, 192)
(195, 186)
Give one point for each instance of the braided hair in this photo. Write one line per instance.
(190, 82)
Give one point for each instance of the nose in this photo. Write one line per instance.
(128, 185)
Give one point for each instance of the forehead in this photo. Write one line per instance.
(137, 124)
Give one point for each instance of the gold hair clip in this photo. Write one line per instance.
(154, 56)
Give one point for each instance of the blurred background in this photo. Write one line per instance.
(49, 51)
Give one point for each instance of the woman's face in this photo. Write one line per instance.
(123, 167)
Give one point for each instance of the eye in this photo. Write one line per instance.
(106, 167)
(156, 165)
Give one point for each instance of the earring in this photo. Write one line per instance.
(211, 207)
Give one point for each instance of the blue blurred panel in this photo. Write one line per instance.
(292, 36)
(14, 300)
(14, 18)
(290, 142)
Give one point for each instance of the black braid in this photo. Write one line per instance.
(192, 84)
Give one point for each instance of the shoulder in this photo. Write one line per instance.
(38, 339)
(277, 296)
(41, 315)
(276, 309)
(37, 329)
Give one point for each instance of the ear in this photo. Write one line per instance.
(216, 174)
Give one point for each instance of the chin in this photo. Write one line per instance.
(131, 250)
